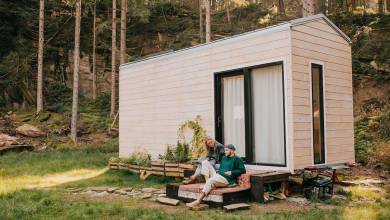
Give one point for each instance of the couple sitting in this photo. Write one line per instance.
(220, 168)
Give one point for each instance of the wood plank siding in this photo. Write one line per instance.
(318, 42)
(158, 95)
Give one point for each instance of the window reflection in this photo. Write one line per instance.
(317, 114)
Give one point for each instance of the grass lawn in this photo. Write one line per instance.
(34, 185)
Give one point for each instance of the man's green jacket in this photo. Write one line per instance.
(233, 164)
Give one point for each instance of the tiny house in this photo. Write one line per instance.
(282, 95)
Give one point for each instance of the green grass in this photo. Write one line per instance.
(38, 204)
(48, 162)
(33, 185)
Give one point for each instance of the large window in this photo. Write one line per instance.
(249, 113)
(234, 113)
(318, 113)
(268, 115)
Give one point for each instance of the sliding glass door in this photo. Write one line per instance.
(249, 113)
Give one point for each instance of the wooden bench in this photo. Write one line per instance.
(257, 182)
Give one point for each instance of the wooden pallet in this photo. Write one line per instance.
(157, 168)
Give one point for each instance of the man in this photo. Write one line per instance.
(215, 152)
(231, 167)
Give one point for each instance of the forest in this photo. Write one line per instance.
(59, 71)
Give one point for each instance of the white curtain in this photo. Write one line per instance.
(267, 90)
(234, 113)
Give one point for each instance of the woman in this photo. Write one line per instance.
(215, 152)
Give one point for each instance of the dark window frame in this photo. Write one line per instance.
(248, 108)
(322, 111)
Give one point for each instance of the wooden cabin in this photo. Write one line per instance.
(281, 94)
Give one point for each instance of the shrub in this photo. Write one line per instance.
(58, 97)
(169, 154)
(363, 140)
(176, 154)
(102, 103)
(139, 158)
(384, 125)
(114, 160)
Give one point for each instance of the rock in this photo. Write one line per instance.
(112, 189)
(339, 197)
(29, 131)
(299, 200)
(236, 206)
(168, 201)
(98, 189)
(88, 192)
(162, 191)
(146, 196)
(104, 193)
(128, 189)
(75, 190)
(149, 190)
(6, 140)
(134, 193)
(121, 192)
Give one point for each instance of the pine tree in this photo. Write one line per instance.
(40, 56)
(113, 59)
(208, 21)
(123, 31)
(201, 37)
(76, 65)
(94, 54)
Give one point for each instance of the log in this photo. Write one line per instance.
(168, 201)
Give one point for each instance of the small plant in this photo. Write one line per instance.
(176, 154)
(169, 154)
(139, 158)
(114, 160)
(182, 152)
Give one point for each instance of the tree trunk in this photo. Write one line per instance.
(94, 55)
(381, 6)
(228, 11)
(208, 21)
(201, 37)
(308, 7)
(76, 63)
(40, 56)
(123, 31)
(113, 60)
(282, 9)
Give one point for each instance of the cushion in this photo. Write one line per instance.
(243, 184)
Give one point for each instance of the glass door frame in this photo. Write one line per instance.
(248, 108)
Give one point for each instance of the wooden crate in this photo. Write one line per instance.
(157, 168)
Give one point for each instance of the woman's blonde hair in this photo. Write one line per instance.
(208, 138)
